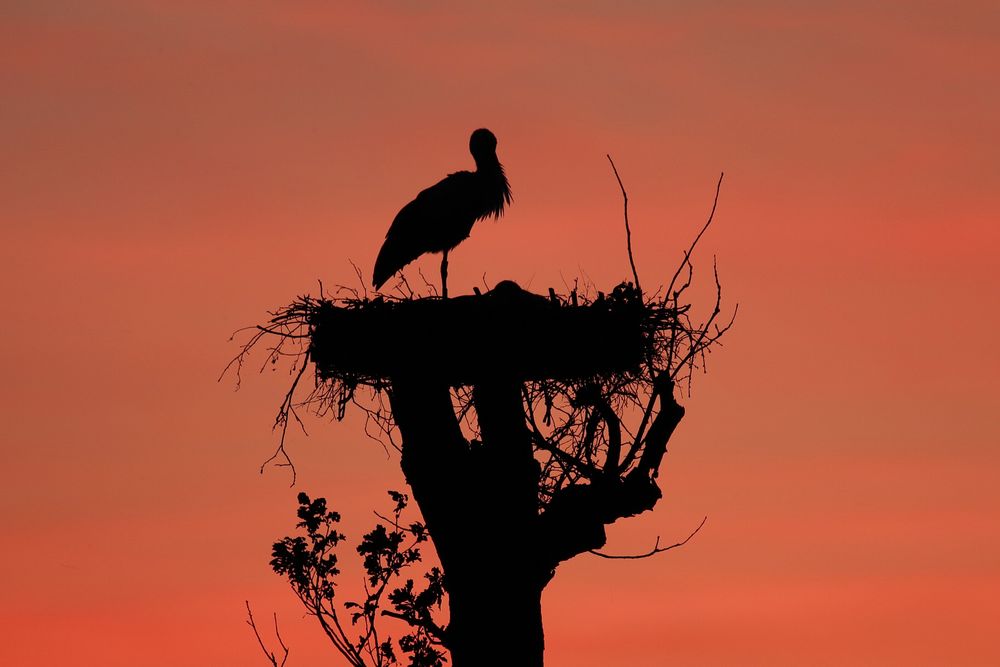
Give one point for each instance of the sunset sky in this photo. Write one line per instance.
(169, 171)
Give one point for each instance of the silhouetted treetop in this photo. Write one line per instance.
(546, 415)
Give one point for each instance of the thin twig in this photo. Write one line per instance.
(687, 253)
(270, 655)
(357, 272)
(287, 409)
(657, 549)
(628, 230)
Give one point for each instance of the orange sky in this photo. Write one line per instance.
(170, 170)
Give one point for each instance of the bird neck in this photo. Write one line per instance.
(487, 163)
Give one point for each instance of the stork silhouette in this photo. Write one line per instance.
(442, 216)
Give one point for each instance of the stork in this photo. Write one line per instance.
(442, 216)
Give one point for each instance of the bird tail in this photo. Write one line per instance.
(398, 250)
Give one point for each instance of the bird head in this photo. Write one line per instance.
(483, 145)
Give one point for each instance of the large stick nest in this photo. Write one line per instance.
(505, 333)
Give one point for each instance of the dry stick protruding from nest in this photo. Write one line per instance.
(289, 325)
(628, 229)
(703, 341)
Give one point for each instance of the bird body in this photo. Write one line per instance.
(442, 216)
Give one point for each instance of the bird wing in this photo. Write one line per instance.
(436, 220)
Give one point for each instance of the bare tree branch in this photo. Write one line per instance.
(270, 655)
(628, 230)
(687, 253)
(657, 549)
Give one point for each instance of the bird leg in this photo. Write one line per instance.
(444, 276)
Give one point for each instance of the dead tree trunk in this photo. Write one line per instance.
(480, 501)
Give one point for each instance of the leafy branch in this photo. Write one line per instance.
(309, 563)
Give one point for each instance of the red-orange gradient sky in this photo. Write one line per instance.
(170, 170)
